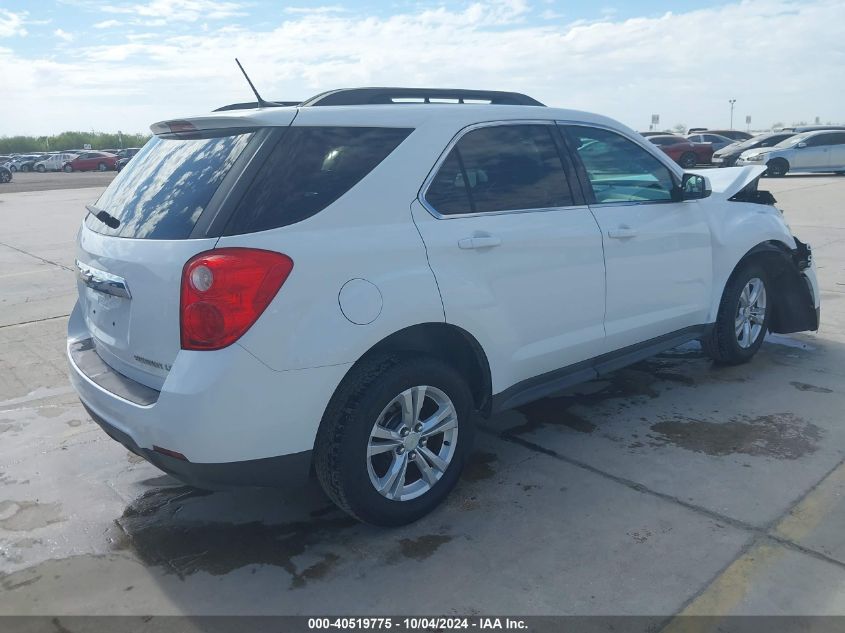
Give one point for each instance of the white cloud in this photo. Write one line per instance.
(107, 24)
(160, 12)
(12, 24)
(63, 35)
(766, 55)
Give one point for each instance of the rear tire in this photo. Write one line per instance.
(743, 317)
(376, 424)
(688, 160)
(777, 167)
(41, 169)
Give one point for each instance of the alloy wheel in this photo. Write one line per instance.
(412, 443)
(750, 313)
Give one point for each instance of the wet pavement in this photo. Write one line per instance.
(672, 486)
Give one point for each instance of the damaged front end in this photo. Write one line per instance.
(794, 307)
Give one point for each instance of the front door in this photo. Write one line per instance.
(516, 254)
(816, 154)
(657, 251)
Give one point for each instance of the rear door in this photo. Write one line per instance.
(516, 254)
(657, 251)
(130, 273)
(837, 151)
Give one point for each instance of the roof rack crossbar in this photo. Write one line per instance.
(374, 96)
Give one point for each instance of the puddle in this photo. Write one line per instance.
(422, 547)
(780, 435)
(22, 516)
(478, 467)
(151, 528)
(803, 386)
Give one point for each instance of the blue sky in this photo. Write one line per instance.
(112, 64)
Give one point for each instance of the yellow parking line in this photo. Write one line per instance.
(806, 515)
(730, 587)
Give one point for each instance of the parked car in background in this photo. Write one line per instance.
(736, 135)
(647, 134)
(91, 161)
(5, 174)
(54, 162)
(128, 152)
(24, 162)
(716, 142)
(820, 151)
(683, 151)
(727, 156)
(811, 128)
(124, 156)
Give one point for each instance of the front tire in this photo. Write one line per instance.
(777, 168)
(67, 169)
(101, 167)
(41, 169)
(394, 439)
(5, 176)
(688, 160)
(743, 317)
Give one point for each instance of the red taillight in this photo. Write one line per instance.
(224, 291)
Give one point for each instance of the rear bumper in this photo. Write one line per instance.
(284, 471)
(225, 411)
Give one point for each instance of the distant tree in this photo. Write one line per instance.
(69, 140)
(680, 128)
(777, 125)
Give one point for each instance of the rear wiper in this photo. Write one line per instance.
(103, 216)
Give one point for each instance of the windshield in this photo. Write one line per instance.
(162, 192)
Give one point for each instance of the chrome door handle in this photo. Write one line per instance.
(485, 241)
(622, 233)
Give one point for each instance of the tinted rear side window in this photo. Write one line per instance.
(162, 191)
(310, 168)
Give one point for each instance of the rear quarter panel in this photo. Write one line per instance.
(366, 234)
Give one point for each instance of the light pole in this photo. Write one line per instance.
(732, 102)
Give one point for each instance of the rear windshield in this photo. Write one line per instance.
(310, 168)
(164, 189)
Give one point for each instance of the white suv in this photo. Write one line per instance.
(339, 285)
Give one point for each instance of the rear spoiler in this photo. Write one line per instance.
(215, 125)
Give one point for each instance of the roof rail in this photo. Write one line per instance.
(371, 96)
(251, 105)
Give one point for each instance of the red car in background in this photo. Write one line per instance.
(91, 161)
(684, 152)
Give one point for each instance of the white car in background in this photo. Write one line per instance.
(340, 284)
(819, 151)
(55, 162)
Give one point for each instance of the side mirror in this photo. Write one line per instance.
(802, 144)
(693, 187)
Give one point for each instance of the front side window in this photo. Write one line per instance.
(618, 169)
(309, 169)
(501, 168)
(820, 140)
